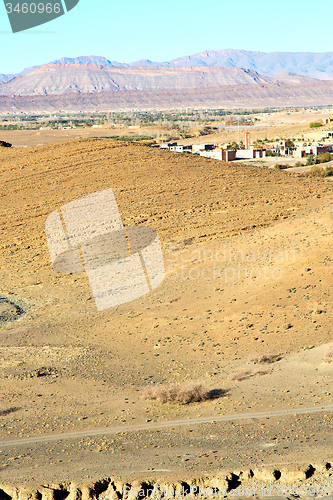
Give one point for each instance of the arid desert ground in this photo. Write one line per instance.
(248, 258)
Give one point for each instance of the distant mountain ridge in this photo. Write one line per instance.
(98, 60)
(318, 65)
(314, 65)
(56, 79)
(314, 93)
(311, 64)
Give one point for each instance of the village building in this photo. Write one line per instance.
(327, 120)
(314, 149)
(180, 148)
(220, 154)
(251, 153)
(167, 145)
(196, 148)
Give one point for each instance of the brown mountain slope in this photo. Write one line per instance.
(229, 96)
(86, 78)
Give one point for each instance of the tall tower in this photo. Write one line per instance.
(247, 140)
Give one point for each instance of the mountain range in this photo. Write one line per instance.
(51, 79)
(227, 78)
(317, 93)
(318, 65)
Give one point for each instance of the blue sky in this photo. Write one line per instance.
(130, 30)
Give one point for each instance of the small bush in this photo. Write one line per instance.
(325, 157)
(244, 374)
(311, 160)
(259, 371)
(299, 164)
(290, 143)
(193, 392)
(239, 375)
(315, 125)
(328, 171)
(280, 166)
(328, 354)
(264, 358)
(317, 171)
(269, 152)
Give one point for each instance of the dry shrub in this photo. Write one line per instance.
(328, 354)
(264, 358)
(281, 166)
(192, 392)
(244, 374)
(259, 371)
(239, 375)
(317, 171)
(324, 157)
(328, 171)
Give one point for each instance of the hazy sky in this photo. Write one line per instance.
(130, 30)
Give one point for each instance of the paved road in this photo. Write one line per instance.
(158, 425)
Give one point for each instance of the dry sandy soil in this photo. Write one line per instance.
(26, 138)
(248, 256)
